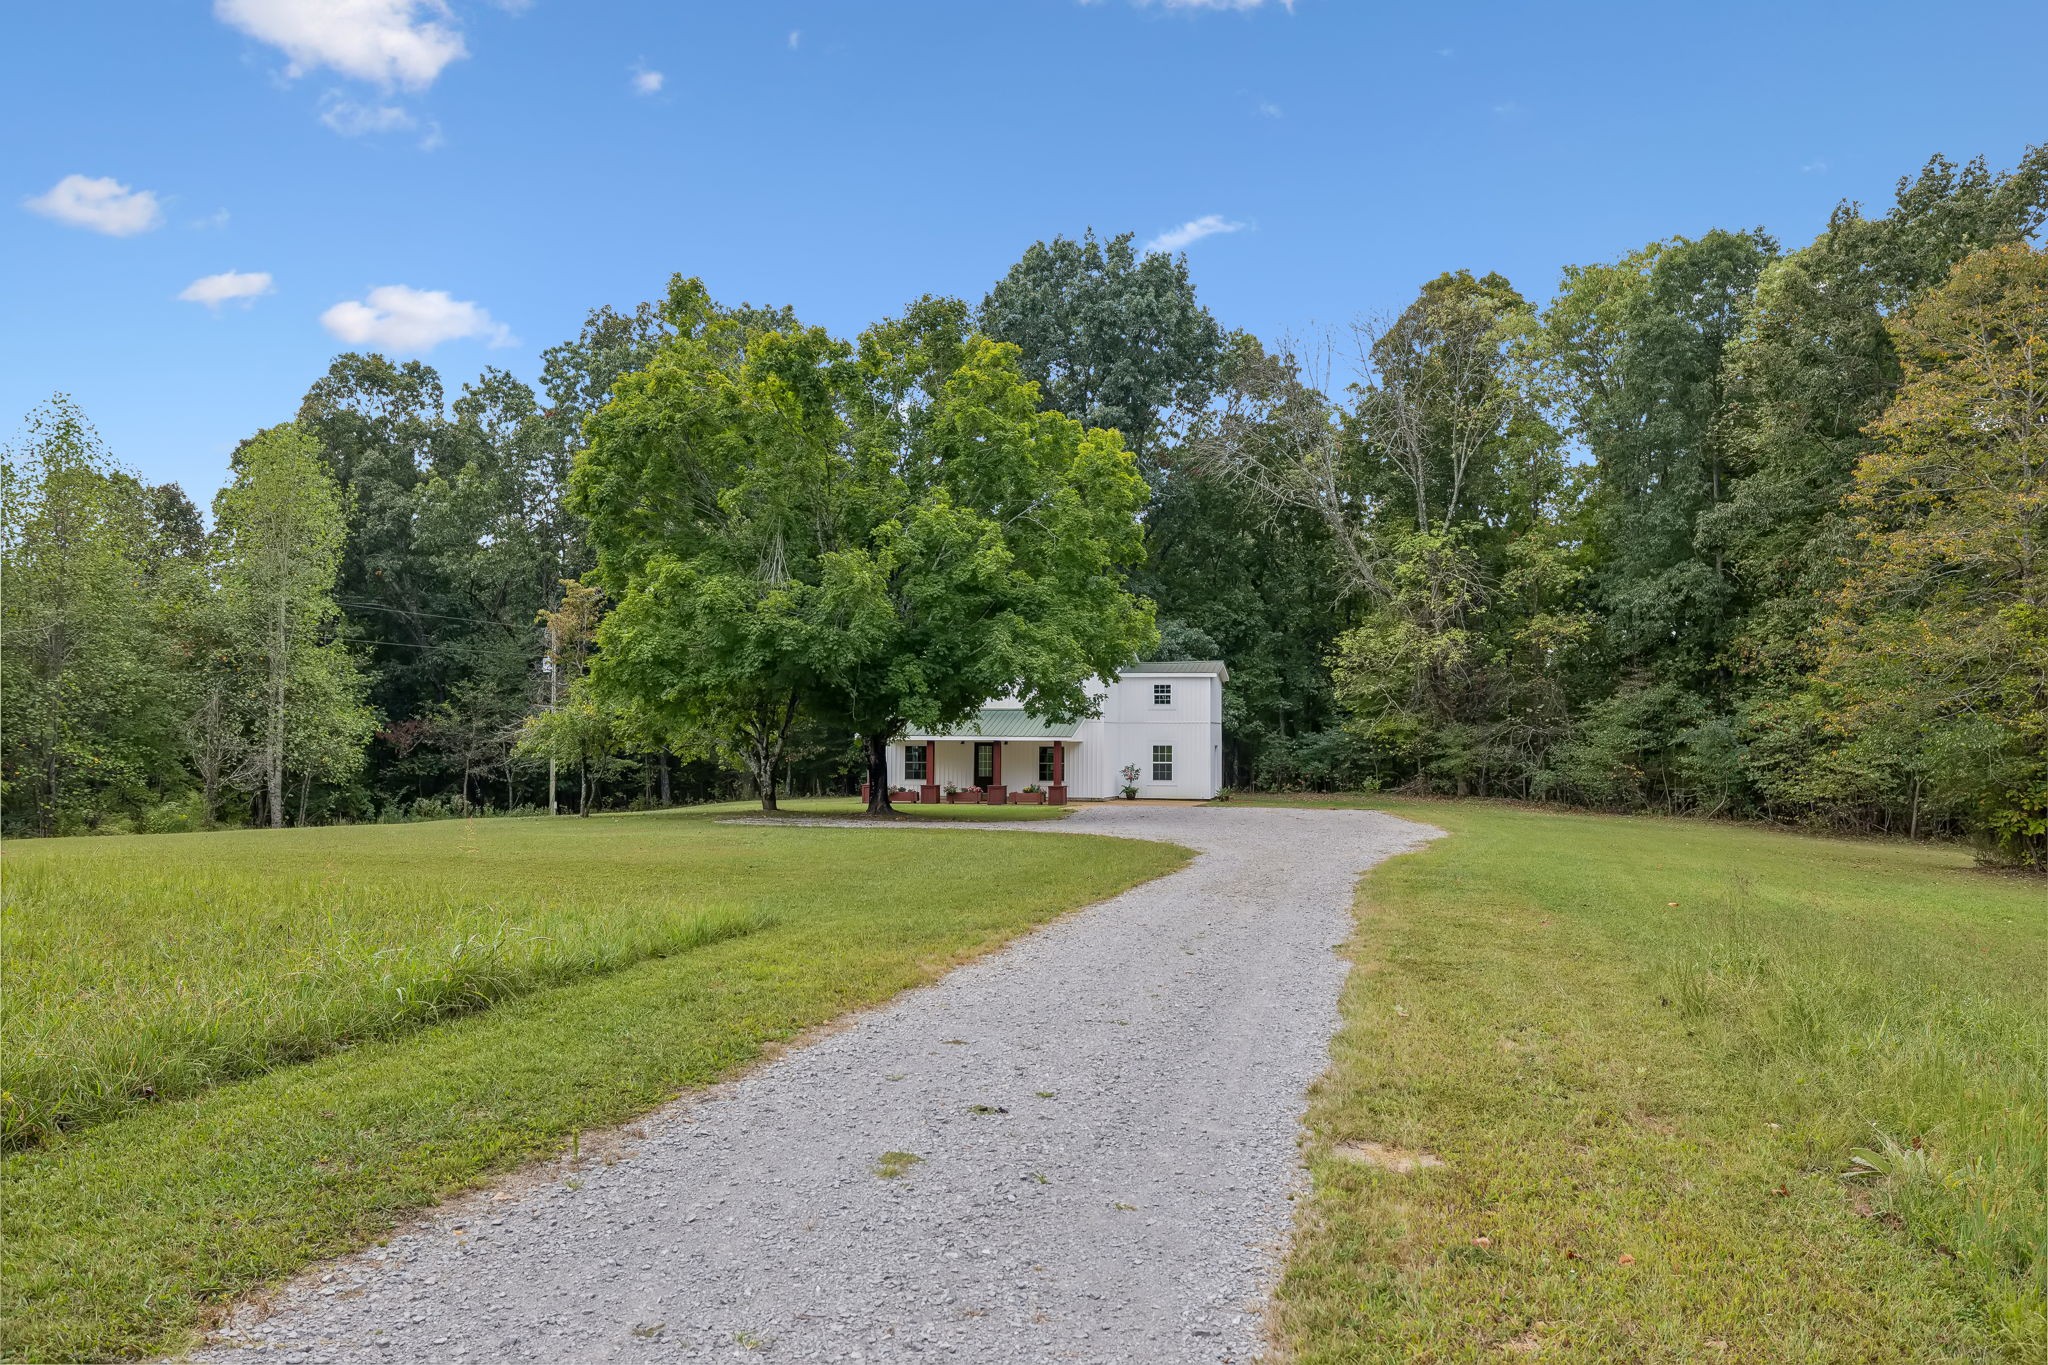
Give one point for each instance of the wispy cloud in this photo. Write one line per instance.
(1194, 230)
(1271, 110)
(99, 204)
(350, 119)
(230, 286)
(390, 42)
(216, 220)
(796, 38)
(647, 82)
(1814, 167)
(400, 318)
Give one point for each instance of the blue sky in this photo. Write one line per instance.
(463, 182)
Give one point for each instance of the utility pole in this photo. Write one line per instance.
(547, 666)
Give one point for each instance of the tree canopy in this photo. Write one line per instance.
(878, 534)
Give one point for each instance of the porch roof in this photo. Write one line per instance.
(1002, 722)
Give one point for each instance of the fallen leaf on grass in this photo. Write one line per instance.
(1482, 1241)
(1624, 1259)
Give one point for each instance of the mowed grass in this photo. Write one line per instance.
(1701, 1092)
(265, 1047)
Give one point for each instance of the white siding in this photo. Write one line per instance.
(1130, 724)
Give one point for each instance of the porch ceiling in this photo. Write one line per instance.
(1003, 722)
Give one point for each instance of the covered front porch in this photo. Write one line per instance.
(1003, 757)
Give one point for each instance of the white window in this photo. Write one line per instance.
(1162, 763)
(913, 763)
(1162, 694)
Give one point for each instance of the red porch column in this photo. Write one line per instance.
(928, 794)
(1057, 794)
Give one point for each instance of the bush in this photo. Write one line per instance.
(179, 815)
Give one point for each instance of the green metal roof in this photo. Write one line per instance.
(1003, 722)
(1182, 666)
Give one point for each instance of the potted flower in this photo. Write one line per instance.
(1030, 795)
(1130, 781)
(952, 795)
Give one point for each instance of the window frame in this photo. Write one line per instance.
(1045, 762)
(916, 751)
(1162, 768)
(1162, 694)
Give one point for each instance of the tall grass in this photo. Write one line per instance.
(147, 986)
(1912, 1068)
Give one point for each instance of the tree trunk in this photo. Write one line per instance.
(583, 787)
(274, 757)
(305, 788)
(661, 760)
(878, 775)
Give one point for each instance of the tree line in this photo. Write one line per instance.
(1720, 528)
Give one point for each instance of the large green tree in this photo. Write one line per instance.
(881, 535)
(91, 688)
(1936, 643)
(279, 527)
(1112, 337)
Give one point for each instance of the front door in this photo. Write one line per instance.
(984, 765)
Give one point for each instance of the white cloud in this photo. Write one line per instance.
(796, 37)
(399, 318)
(351, 119)
(1815, 167)
(230, 286)
(102, 204)
(1271, 110)
(217, 219)
(1194, 230)
(392, 42)
(647, 82)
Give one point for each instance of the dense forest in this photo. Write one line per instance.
(1723, 528)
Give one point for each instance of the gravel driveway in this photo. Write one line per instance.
(1103, 1118)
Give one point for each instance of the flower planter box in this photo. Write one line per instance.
(904, 795)
(967, 796)
(1036, 798)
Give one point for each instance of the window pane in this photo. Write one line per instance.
(1045, 763)
(913, 763)
(1162, 694)
(1162, 763)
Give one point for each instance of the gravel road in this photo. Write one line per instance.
(1104, 1119)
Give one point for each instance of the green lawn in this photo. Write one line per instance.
(231, 1054)
(1700, 1092)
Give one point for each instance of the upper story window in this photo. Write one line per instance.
(913, 763)
(1162, 694)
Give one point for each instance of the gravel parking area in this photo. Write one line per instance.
(1080, 1148)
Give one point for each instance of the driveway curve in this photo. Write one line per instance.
(1080, 1148)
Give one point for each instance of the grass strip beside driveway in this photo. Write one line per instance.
(119, 1240)
(1646, 1053)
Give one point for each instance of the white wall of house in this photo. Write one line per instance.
(1135, 718)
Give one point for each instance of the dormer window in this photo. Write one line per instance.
(1162, 694)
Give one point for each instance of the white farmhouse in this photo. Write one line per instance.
(1163, 719)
